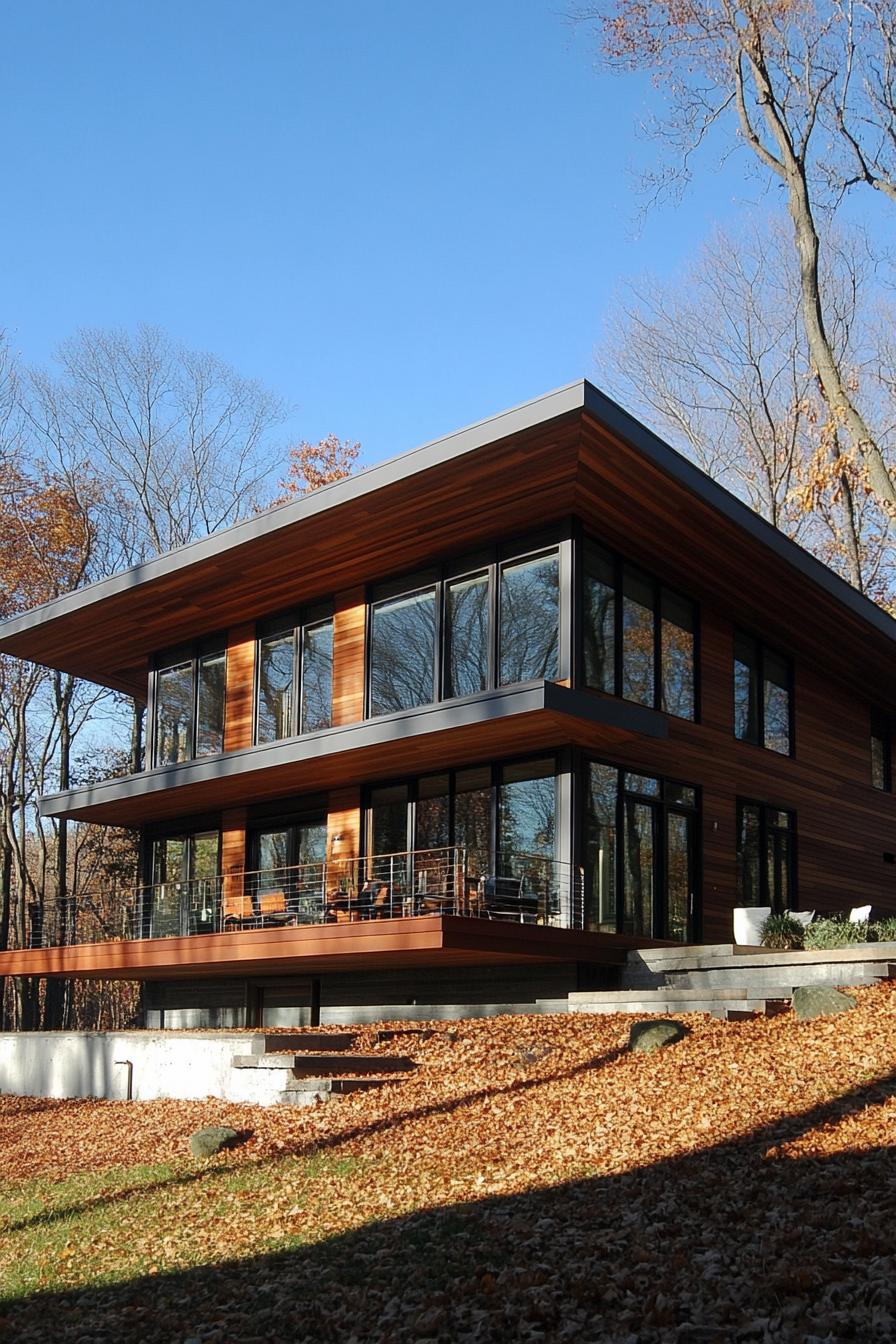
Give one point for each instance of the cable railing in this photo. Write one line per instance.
(520, 888)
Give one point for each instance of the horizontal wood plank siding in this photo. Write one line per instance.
(349, 615)
(238, 718)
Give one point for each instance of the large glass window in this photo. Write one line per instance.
(182, 893)
(294, 680)
(188, 707)
(403, 651)
(640, 854)
(639, 637)
(486, 620)
(530, 619)
(765, 856)
(467, 635)
(763, 706)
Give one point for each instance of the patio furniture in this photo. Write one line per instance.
(748, 922)
(804, 917)
(503, 898)
(860, 914)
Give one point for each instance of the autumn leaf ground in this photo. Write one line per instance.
(531, 1180)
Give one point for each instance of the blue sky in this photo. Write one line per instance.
(401, 216)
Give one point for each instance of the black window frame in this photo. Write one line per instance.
(495, 768)
(658, 587)
(663, 805)
(294, 622)
(881, 730)
(762, 651)
(193, 654)
(765, 830)
(485, 560)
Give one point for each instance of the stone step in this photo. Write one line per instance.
(313, 1065)
(339, 1087)
(277, 1042)
(663, 1007)
(672, 993)
(771, 1008)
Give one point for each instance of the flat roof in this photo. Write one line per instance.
(106, 630)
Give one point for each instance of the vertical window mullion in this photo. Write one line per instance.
(657, 645)
(298, 672)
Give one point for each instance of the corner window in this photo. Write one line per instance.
(530, 619)
(639, 636)
(294, 679)
(188, 706)
(881, 752)
(765, 856)
(763, 695)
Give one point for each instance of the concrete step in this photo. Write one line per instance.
(277, 1042)
(772, 1008)
(672, 994)
(314, 1065)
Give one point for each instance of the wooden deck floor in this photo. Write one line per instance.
(436, 940)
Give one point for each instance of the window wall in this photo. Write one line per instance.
(294, 675)
(182, 893)
(766, 857)
(487, 620)
(763, 695)
(504, 816)
(187, 703)
(639, 637)
(640, 846)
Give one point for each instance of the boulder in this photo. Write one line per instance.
(207, 1142)
(654, 1033)
(820, 1000)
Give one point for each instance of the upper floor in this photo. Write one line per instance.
(556, 562)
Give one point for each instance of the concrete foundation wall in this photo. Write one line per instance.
(187, 1067)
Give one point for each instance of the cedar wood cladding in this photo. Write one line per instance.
(572, 464)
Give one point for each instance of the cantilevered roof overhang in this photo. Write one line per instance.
(520, 718)
(573, 451)
(390, 944)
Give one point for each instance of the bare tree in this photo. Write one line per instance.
(720, 362)
(767, 70)
(178, 437)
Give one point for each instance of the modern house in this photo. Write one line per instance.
(468, 725)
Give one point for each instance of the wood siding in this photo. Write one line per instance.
(240, 687)
(349, 616)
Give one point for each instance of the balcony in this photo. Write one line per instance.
(416, 908)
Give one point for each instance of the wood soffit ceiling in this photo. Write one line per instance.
(582, 455)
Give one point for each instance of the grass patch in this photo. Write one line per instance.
(109, 1226)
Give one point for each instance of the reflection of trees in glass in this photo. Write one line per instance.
(776, 692)
(600, 619)
(530, 614)
(746, 689)
(600, 842)
(402, 652)
(678, 875)
(317, 677)
(211, 673)
(473, 818)
(639, 869)
(388, 832)
(677, 655)
(174, 713)
(433, 819)
(748, 887)
(638, 636)
(467, 617)
(276, 669)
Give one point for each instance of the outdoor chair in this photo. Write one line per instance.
(272, 908)
(860, 914)
(237, 910)
(804, 917)
(503, 898)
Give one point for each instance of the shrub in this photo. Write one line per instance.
(883, 930)
(826, 934)
(783, 933)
